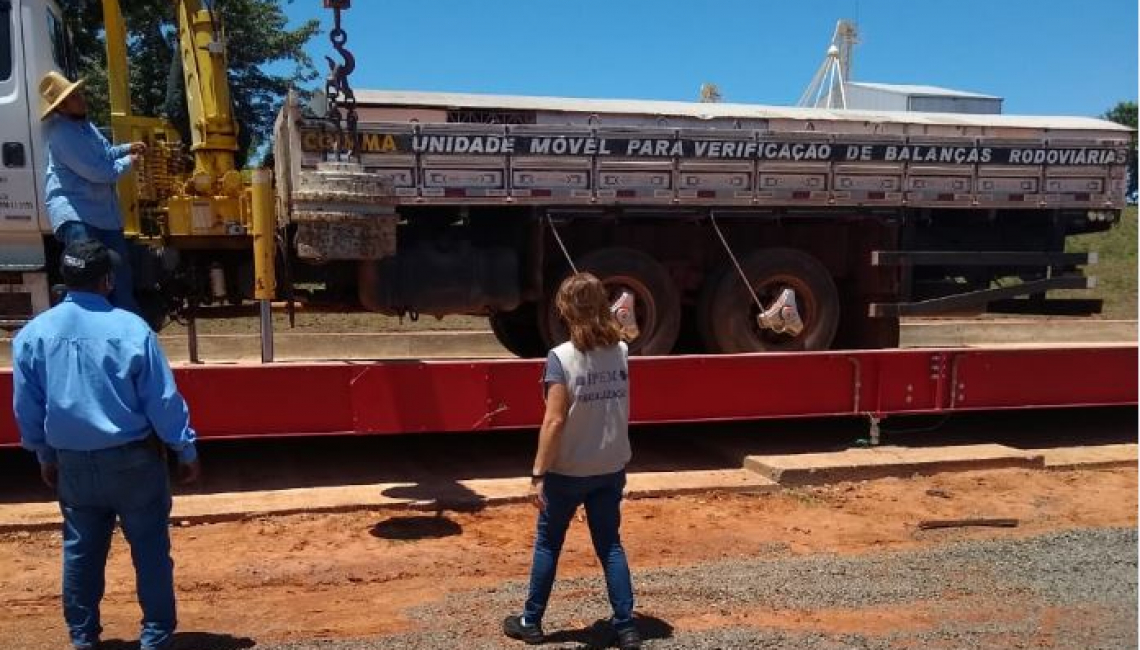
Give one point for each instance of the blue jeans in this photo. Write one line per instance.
(602, 498)
(123, 293)
(95, 487)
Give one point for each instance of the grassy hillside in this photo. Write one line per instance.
(1116, 270)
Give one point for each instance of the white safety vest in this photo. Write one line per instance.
(595, 439)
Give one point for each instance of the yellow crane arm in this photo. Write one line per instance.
(215, 202)
(212, 126)
(204, 68)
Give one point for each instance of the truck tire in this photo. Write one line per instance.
(726, 316)
(517, 331)
(658, 303)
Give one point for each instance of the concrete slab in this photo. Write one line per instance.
(761, 474)
(1091, 457)
(882, 462)
(461, 496)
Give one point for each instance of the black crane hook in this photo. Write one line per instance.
(337, 87)
(339, 37)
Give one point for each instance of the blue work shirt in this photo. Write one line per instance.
(89, 376)
(81, 174)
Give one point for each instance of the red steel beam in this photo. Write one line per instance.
(386, 397)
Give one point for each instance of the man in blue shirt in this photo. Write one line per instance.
(81, 175)
(96, 401)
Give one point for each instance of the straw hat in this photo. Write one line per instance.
(54, 88)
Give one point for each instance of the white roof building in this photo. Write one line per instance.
(433, 106)
(925, 99)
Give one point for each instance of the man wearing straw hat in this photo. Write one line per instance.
(81, 175)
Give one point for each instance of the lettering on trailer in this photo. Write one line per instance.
(764, 149)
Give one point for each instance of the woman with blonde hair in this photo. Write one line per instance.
(583, 448)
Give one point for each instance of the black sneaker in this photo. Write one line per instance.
(530, 634)
(628, 638)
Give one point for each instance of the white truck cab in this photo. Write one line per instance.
(33, 41)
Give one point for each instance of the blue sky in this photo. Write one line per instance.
(1061, 57)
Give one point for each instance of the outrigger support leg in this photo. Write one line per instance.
(873, 430)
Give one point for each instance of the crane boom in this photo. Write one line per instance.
(209, 202)
(204, 64)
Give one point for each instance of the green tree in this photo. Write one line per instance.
(266, 58)
(1125, 113)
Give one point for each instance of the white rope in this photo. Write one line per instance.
(731, 256)
(561, 245)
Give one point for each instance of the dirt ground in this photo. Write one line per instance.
(358, 575)
(245, 321)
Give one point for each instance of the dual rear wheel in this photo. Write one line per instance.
(657, 303)
(725, 315)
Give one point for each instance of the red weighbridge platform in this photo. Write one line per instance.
(391, 397)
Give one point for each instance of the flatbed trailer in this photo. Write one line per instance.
(705, 214)
(232, 401)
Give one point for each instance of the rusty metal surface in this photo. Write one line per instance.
(346, 236)
(343, 214)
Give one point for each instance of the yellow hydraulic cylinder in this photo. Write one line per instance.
(264, 225)
(118, 85)
(213, 129)
(118, 90)
(265, 280)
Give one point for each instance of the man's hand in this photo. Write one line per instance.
(138, 148)
(189, 472)
(49, 474)
(536, 497)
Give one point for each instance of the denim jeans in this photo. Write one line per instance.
(95, 487)
(123, 293)
(602, 498)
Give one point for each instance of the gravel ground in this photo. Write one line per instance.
(1074, 589)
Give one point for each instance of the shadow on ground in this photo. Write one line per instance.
(440, 494)
(601, 634)
(189, 641)
(416, 527)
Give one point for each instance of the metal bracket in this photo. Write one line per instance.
(623, 311)
(782, 317)
(974, 299)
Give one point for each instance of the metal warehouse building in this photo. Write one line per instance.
(930, 99)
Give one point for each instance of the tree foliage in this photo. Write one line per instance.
(1125, 113)
(266, 58)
